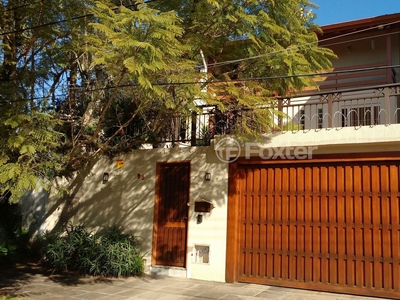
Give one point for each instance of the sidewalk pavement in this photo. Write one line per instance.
(32, 283)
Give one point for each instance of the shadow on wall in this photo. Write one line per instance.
(34, 202)
(127, 198)
(43, 212)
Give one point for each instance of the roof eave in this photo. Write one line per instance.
(360, 23)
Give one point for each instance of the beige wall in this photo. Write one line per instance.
(128, 201)
(358, 49)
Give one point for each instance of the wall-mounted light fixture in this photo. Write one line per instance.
(105, 177)
(207, 176)
(199, 219)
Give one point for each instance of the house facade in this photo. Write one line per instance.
(315, 207)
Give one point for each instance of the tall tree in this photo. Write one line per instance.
(75, 74)
(37, 53)
(258, 38)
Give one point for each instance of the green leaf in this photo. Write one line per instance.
(27, 149)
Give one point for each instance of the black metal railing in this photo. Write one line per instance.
(197, 129)
(364, 106)
(368, 106)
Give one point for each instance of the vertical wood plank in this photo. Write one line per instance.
(169, 232)
(386, 229)
(270, 218)
(349, 224)
(263, 221)
(333, 226)
(242, 215)
(358, 228)
(277, 226)
(175, 243)
(256, 222)
(342, 261)
(309, 196)
(367, 222)
(248, 219)
(376, 223)
(181, 255)
(395, 217)
(293, 175)
(300, 221)
(316, 221)
(285, 224)
(324, 226)
(156, 215)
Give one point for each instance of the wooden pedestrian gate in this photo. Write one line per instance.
(325, 224)
(171, 214)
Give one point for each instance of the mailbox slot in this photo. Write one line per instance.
(201, 206)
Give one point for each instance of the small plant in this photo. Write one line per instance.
(8, 297)
(113, 253)
(120, 253)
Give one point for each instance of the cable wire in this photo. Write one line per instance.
(84, 90)
(299, 46)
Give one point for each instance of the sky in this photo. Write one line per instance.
(337, 11)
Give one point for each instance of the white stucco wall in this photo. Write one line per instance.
(129, 201)
(126, 200)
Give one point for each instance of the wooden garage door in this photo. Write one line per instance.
(330, 226)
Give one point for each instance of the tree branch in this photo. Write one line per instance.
(98, 128)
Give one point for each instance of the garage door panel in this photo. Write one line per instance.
(376, 221)
(332, 225)
(366, 209)
(358, 230)
(247, 233)
(395, 211)
(277, 225)
(292, 227)
(285, 226)
(325, 271)
(348, 208)
(386, 227)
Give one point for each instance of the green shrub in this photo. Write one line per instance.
(13, 237)
(9, 297)
(113, 253)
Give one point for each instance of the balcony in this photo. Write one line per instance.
(366, 106)
(353, 107)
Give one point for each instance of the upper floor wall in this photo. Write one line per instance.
(367, 49)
